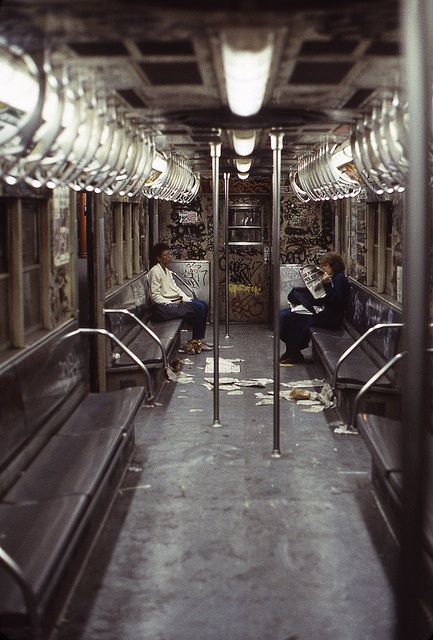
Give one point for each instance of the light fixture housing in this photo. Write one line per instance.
(244, 141)
(243, 164)
(247, 57)
(243, 176)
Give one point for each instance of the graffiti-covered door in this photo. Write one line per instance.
(248, 260)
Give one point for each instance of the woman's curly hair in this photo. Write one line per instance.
(334, 260)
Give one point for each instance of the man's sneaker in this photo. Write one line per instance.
(205, 346)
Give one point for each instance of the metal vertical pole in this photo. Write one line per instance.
(226, 249)
(215, 151)
(416, 392)
(276, 145)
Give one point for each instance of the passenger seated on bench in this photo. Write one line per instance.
(169, 301)
(324, 312)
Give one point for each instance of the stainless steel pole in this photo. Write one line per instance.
(416, 388)
(226, 250)
(276, 145)
(215, 151)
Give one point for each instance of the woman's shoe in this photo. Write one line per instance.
(292, 356)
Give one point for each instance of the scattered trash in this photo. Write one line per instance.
(326, 396)
(171, 374)
(175, 364)
(308, 403)
(135, 468)
(236, 392)
(305, 383)
(299, 394)
(208, 386)
(185, 378)
(259, 383)
(266, 400)
(344, 430)
(196, 410)
(314, 408)
(186, 361)
(225, 366)
(223, 380)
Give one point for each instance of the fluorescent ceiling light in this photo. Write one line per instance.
(247, 57)
(243, 176)
(243, 164)
(244, 141)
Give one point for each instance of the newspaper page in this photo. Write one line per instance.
(312, 277)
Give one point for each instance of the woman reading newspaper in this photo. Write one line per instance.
(320, 304)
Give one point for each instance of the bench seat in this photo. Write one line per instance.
(356, 369)
(55, 471)
(383, 438)
(147, 349)
(58, 477)
(364, 311)
(121, 370)
(39, 536)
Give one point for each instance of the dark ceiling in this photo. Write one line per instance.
(331, 62)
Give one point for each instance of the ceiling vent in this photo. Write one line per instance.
(99, 48)
(161, 48)
(358, 98)
(383, 49)
(172, 73)
(313, 73)
(132, 98)
(327, 47)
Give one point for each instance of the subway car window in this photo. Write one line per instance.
(216, 310)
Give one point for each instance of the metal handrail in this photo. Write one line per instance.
(149, 331)
(363, 390)
(29, 596)
(194, 295)
(131, 354)
(377, 327)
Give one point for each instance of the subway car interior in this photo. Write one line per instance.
(160, 486)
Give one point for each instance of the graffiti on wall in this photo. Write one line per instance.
(196, 274)
(306, 230)
(248, 285)
(187, 234)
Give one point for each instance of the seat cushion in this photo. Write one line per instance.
(356, 369)
(147, 349)
(75, 460)
(382, 436)
(37, 536)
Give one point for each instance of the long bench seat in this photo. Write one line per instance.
(67, 451)
(383, 437)
(128, 317)
(378, 322)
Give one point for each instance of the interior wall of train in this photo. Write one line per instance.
(44, 247)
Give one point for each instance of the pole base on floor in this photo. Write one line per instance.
(216, 424)
(227, 336)
(276, 453)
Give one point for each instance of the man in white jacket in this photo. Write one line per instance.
(169, 301)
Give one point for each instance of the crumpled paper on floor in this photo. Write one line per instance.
(225, 365)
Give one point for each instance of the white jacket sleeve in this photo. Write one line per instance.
(155, 285)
